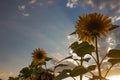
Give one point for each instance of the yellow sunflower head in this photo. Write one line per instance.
(92, 25)
(39, 55)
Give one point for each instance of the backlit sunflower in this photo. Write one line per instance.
(28, 78)
(39, 55)
(92, 25)
(45, 76)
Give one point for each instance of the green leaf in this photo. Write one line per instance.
(64, 74)
(114, 53)
(91, 67)
(114, 27)
(74, 45)
(114, 61)
(69, 57)
(79, 70)
(60, 65)
(48, 59)
(96, 77)
(50, 70)
(43, 63)
(82, 49)
(73, 33)
(25, 72)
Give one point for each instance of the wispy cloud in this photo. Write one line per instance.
(70, 37)
(100, 4)
(111, 7)
(115, 18)
(32, 1)
(5, 75)
(58, 57)
(72, 3)
(50, 1)
(21, 7)
(33, 4)
(39, 4)
(26, 14)
(70, 65)
(111, 41)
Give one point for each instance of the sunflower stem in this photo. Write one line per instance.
(103, 59)
(45, 67)
(94, 58)
(108, 70)
(97, 56)
(81, 76)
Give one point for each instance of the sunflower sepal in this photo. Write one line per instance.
(48, 59)
(73, 33)
(114, 27)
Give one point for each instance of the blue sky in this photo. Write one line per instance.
(29, 24)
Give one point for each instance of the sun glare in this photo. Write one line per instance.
(116, 77)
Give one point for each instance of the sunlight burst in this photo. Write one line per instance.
(115, 77)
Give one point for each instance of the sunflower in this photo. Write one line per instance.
(45, 76)
(90, 26)
(28, 78)
(39, 55)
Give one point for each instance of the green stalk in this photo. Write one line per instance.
(94, 58)
(97, 56)
(103, 59)
(108, 70)
(81, 76)
(30, 78)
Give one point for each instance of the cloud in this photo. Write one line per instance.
(21, 7)
(115, 18)
(32, 1)
(70, 65)
(72, 3)
(39, 4)
(111, 7)
(117, 46)
(111, 40)
(50, 2)
(33, 4)
(58, 57)
(26, 14)
(100, 4)
(5, 75)
(70, 37)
